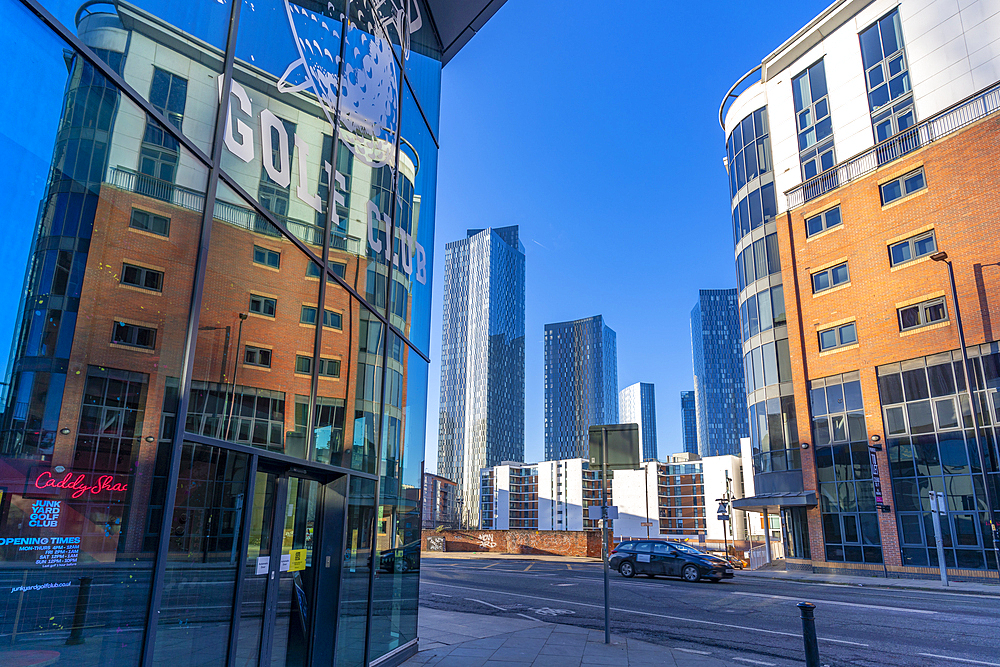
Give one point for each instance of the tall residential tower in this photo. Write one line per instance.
(689, 422)
(718, 373)
(581, 384)
(637, 405)
(482, 360)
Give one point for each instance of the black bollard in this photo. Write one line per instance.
(809, 633)
(80, 615)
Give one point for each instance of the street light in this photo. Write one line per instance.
(943, 257)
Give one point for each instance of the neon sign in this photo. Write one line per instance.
(78, 484)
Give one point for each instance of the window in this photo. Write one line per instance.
(262, 305)
(272, 196)
(823, 221)
(133, 335)
(332, 319)
(922, 314)
(267, 257)
(257, 356)
(138, 276)
(148, 222)
(837, 275)
(303, 364)
(815, 128)
(888, 81)
(905, 185)
(329, 367)
(339, 269)
(846, 334)
(159, 151)
(912, 248)
(308, 315)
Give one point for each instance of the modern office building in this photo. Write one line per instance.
(861, 161)
(550, 495)
(637, 405)
(581, 384)
(439, 502)
(221, 221)
(689, 422)
(481, 418)
(719, 388)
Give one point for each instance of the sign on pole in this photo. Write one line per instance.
(939, 508)
(623, 446)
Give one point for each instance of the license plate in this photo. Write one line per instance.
(729, 570)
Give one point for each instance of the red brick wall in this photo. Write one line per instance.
(960, 201)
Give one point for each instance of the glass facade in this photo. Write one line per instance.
(208, 290)
(689, 422)
(581, 385)
(719, 387)
(482, 361)
(637, 405)
(931, 442)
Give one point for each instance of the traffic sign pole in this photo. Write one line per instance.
(604, 541)
(938, 507)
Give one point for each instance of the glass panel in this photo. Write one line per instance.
(204, 547)
(81, 411)
(293, 602)
(251, 609)
(890, 389)
(355, 572)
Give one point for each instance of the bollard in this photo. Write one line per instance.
(80, 615)
(809, 633)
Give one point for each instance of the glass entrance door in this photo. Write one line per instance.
(295, 527)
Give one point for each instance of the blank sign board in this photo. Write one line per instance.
(623, 446)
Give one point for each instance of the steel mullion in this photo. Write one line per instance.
(248, 499)
(191, 340)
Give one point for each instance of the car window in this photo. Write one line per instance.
(685, 548)
(644, 547)
(662, 549)
(626, 546)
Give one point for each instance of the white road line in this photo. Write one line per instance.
(755, 662)
(971, 662)
(485, 603)
(843, 604)
(640, 613)
(564, 584)
(691, 650)
(530, 618)
(441, 595)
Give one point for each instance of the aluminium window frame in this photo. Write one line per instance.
(143, 272)
(823, 216)
(911, 244)
(832, 284)
(132, 334)
(263, 301)
(151, 216)
(922, 308)
(268, 252)
(838, 333)
(901, 180)
(257, 351)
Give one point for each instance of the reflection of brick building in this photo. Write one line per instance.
(439, 506)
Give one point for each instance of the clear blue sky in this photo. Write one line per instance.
(596, 130)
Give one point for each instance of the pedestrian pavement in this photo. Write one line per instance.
(457, 639)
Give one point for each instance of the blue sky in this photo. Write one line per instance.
(599, 136)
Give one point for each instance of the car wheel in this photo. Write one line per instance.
(402, 566)
(690, 574)
(626, 570)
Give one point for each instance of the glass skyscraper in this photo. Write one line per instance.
(689, 422)
(719, 388)
(581, 384)
(637, 405)
(482, 360)
(218, 245)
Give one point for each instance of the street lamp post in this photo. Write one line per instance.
(943, 257)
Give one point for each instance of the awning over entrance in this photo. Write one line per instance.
(772, 502)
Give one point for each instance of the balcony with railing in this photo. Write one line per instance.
(231, 214)
(922, 134)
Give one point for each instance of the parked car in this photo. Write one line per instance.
(734, 561)
(653, 557)
(402, 559)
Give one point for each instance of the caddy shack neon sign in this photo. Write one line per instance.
(367, 121)
(78, 483)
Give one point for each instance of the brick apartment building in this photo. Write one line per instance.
(861, 164)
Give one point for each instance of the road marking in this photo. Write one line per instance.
(691, 650)
(640, 613)
(529, 567)
(485, 603)
(568, 566)
(971, 662)
(441, 595)
(755, 662)
(843, 604)
(530, 618)
(564, 584)
(489, 566)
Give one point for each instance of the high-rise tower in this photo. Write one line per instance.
(637, 405)
(581, 384)
(718, 373)
(689, 422)
(482, 360)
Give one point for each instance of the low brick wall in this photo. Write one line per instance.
(584, 543)
(890, 571)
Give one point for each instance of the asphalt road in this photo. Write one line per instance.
(746, 621)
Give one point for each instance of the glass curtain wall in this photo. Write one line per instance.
(208, 288)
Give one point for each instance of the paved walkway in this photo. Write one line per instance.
(455, 639)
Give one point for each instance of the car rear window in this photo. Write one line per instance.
(626, 546)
